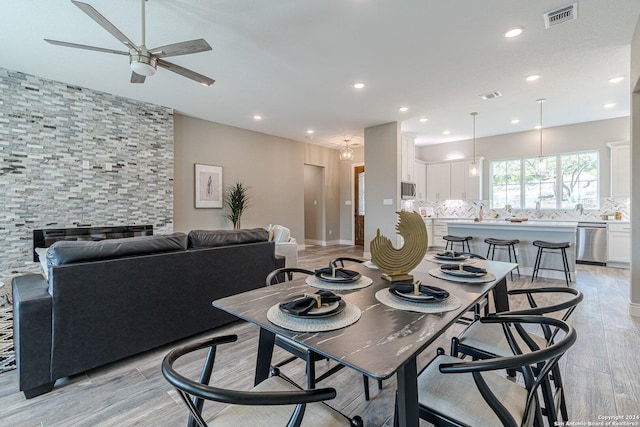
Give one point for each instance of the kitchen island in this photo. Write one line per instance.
(526, 232)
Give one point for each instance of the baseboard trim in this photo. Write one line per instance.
(634, 309)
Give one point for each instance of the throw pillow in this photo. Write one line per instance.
(281, 234)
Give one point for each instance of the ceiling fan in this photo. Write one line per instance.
(143, 61)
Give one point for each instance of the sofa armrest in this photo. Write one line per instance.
(290, 251)
(32, 305)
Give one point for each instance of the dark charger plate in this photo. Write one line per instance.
(326, 310)
(326, 275)
(409, 296)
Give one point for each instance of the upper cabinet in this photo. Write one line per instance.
(438, 181)
(620, 169)
(451, 180)
(408, 153)
(464, 186)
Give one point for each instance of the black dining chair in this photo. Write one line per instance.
(482, 340)
(471, 393)
(277, 401)
(299, 352)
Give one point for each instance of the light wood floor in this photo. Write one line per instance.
(601, 372)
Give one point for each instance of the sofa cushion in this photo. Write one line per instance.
(66, 252)
(213, 238)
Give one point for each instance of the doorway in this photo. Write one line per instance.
(314, 206)
(358, 206)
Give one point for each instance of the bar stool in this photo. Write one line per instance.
(552, 247)
(509, 244)
(457, 239)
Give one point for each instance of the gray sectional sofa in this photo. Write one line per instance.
(110, 299)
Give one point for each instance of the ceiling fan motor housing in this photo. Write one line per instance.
(142, 62)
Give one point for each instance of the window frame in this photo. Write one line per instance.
(558, 181)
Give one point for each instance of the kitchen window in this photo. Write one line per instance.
(560, 181)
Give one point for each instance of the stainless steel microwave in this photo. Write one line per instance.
(408, 190)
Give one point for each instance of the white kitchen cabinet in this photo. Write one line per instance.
(439, 181)
(420, 173)
(439, 230)
(451, 180)
(463, 185)
(408, 155)
(620, 169)
(619, 243)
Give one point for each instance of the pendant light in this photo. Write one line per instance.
(473, 171)
(540, 156)
(346, 153)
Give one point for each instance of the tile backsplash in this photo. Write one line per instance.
(470, 209)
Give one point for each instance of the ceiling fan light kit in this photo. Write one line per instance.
(143, 61)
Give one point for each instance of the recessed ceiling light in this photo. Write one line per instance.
(423, 120)
(515, 121)
(538, 126)
(446, 132)
(310, 131)
(358, 85)
(514, 32)
(257, 117)
(533, 77)
(609, 105)
(616, 79)
(403, 109)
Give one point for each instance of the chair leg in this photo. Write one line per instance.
(509, 251)
(488, 250)
(379, 384)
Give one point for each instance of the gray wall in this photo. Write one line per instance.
(382, 175)
(634, 85)
(560, 139)
(271, 166)
(346, 194)
(56, 144)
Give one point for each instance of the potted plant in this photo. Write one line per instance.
(236, 201)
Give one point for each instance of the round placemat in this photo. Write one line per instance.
(348, 316)
(362, 282)
(436, 272)
(385, 297)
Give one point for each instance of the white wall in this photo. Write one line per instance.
(634, 85)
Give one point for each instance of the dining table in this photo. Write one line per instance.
(384, 341)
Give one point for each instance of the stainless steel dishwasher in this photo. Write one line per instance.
(591, 243)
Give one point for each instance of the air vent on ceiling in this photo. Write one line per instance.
(558, 16)
(490, 95)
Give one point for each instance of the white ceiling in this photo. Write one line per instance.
(294, 61)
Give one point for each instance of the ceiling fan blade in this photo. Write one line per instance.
(183, 48)
(104, 23)
(137, 78)
(84, 46)
(186, 73)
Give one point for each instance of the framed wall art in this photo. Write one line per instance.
(208, 182)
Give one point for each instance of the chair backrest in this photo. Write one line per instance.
(568, 304)
(341, 260)
(285, 274)
(544, 359)
(193, 393)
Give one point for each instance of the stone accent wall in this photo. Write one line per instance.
(73, 156)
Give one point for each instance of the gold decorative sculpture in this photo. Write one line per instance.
(395, 264)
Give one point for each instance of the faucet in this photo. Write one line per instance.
(507, 208)
(580, 208)
(538, 205)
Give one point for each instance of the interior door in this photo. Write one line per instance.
(358, 206)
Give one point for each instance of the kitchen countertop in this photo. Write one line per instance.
(498, 223)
